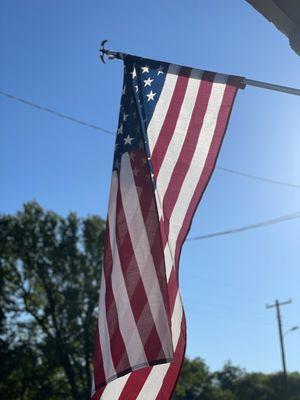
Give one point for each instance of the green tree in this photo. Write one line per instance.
(261, 386)
(231, 383)
(294, 385)
(254, 386)
(50, 274)
(228, 377)
(195, 381)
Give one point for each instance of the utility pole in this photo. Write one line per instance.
(278, 305)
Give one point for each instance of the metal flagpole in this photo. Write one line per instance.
(111, 55)
(271, 86)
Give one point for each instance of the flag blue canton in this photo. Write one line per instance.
(143, 82)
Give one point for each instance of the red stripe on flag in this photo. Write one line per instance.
(163, 233)
(97, 395)
(135, 384)
(172, 289)
(99, 375)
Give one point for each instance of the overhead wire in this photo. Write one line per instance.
(258, 178)
(261, 224)
(244, 316)
(54, 112)
(247, 291)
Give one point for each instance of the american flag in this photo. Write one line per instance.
(171, 126)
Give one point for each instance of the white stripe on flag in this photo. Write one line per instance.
(141, 247)
(169, 261)
(127, 324)
(113, 389)
(176, 319)
(162, 105)
(153, 383)
(196, 167)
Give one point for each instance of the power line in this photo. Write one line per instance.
(246, 291)
(248, 227)
(99, 128)
(58, 114)
(258, 178)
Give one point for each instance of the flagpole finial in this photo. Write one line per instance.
(111, 55)
(103, 50)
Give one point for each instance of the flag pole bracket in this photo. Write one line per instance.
(111, 55)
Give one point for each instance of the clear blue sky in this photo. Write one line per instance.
(49, 53)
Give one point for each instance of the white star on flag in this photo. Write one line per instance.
(145, 69)
(160, 70)
(148, 82)
(151, 96)
(128, 140)
(120, 130)
(133, 73)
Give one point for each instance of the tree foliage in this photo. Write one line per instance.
(50, 274)
(231, 383)
(195, 381)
